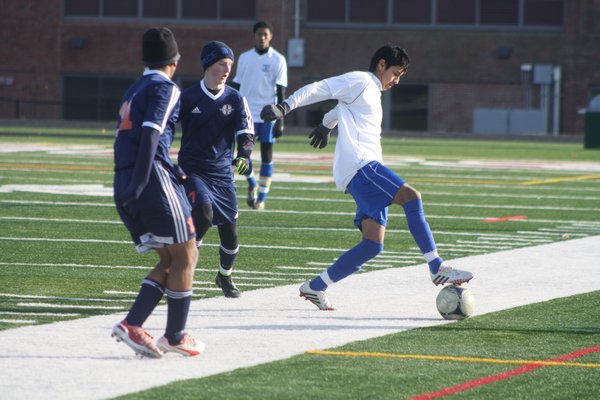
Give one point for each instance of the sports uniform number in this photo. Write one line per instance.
(124, 113)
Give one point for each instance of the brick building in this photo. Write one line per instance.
(478, 65)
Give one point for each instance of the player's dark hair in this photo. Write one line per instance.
(262, 24)
(392, 55)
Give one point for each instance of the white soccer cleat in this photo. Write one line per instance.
(188, 346)
(137, 338)
(259, 205)
(447, 274)
(317, 297)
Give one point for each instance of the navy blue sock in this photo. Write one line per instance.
(177, 313)
(146, 301)
(348, 263)
(227, 257)
(419, 228)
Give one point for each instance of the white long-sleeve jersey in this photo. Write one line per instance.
(359, 116)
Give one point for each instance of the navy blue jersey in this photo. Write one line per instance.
(152, 101)
(211, 125)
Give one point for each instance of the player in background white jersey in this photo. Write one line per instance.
(261, 77)
(358, 168)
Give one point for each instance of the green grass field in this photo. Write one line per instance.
(67, 256)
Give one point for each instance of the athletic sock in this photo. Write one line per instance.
(146, 301)
(251, 179)
(348, 263)
(227, 259)
(419, 228)
(178, 307)
(264, 181)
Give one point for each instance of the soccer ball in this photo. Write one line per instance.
(455, 302)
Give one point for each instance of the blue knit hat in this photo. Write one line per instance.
(213, 52)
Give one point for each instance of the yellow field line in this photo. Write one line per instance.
(450, 358)
(565, 179)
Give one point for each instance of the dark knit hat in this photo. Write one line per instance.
(159, 48)
(213, 52)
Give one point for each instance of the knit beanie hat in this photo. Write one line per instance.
(159, 48)
(213, 52)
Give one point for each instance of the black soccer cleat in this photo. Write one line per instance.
(226, 284)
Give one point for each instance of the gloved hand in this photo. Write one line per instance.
(274, 111)
(278, 128)
(319, 136)
(241, 165)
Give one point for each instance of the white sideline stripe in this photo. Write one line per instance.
(18, 321)
(68, 240)
(391, 215)
(430, 204)
(40, 314)
(33, 296)
(273, 324)
(82, 307)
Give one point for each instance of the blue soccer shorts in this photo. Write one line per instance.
(263, 132)
(222, 198)
(161, 216)
(373, 189)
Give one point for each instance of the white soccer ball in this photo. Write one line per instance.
(455, 302)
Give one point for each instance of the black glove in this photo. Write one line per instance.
(319, 136)
(241, 165)
(278, 128)
(274, 111)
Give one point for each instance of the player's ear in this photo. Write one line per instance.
(381, 65)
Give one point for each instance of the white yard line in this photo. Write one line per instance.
(78, 359)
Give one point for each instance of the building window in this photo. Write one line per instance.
(372, 11)
(544, 12)
(159, 9)
(163, 9)
(409, 108)
(326, 11)
(474, 14)
(456, 12)
(86, 8)
(121, 8)
(194, 9)
(93, 98)
(412, 12)
(499, 12)
(237, 9)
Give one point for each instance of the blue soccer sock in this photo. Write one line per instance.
(347, 264)
(178, 307)
(264, 181)
(146, 301)
(251, 179)
(419, 228)
(227, 259)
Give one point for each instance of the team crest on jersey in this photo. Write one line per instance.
(227, 109)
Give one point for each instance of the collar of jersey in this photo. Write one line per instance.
(155, 71)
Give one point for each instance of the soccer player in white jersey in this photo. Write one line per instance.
(358, 168)
(261, 77)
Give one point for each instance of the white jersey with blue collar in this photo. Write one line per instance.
(359, 117)
(258, 76)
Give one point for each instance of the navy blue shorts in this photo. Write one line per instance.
(263, 132)
(161, 215)
(373, 189)
(222, 199)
